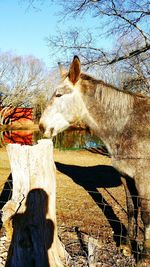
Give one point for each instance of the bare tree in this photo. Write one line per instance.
(124, 20)
(21, 80)
(42, 96)
(135, 75)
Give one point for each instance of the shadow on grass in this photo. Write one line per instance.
(33, 233)
(94, 177)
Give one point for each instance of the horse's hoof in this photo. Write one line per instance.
(126, 250)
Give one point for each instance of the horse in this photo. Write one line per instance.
(120, 119)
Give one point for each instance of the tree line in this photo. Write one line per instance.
(24, 82)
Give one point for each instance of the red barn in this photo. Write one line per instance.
(16, 114)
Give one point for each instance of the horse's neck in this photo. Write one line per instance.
(109, 106)
(109, 110)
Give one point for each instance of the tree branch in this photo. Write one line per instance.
(131, 54)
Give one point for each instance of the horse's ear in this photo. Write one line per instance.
(75, 70)
(61, 69)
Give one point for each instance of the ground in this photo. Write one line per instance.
(90, 202)
(89, 187)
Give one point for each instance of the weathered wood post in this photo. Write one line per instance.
(33, 172)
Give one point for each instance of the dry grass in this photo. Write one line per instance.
(4, 167)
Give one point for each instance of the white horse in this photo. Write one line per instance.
(120, 119)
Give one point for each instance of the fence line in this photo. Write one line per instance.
(76, 225)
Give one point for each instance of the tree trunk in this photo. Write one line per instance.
(32, 208)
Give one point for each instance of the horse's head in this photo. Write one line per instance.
(66, 106)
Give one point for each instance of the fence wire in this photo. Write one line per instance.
(90, 220)
(102, 223)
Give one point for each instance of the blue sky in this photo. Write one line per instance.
(23, 31)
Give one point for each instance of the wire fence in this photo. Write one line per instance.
(105, 221)
(91, 218)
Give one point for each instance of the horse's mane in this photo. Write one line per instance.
(111, 97)
(95, 81)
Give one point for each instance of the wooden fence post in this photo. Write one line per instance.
(33, 172)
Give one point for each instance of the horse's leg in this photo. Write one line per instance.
(143, 186)
(132, 207)
(145, 215)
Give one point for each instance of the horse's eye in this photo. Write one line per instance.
(58, 95)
